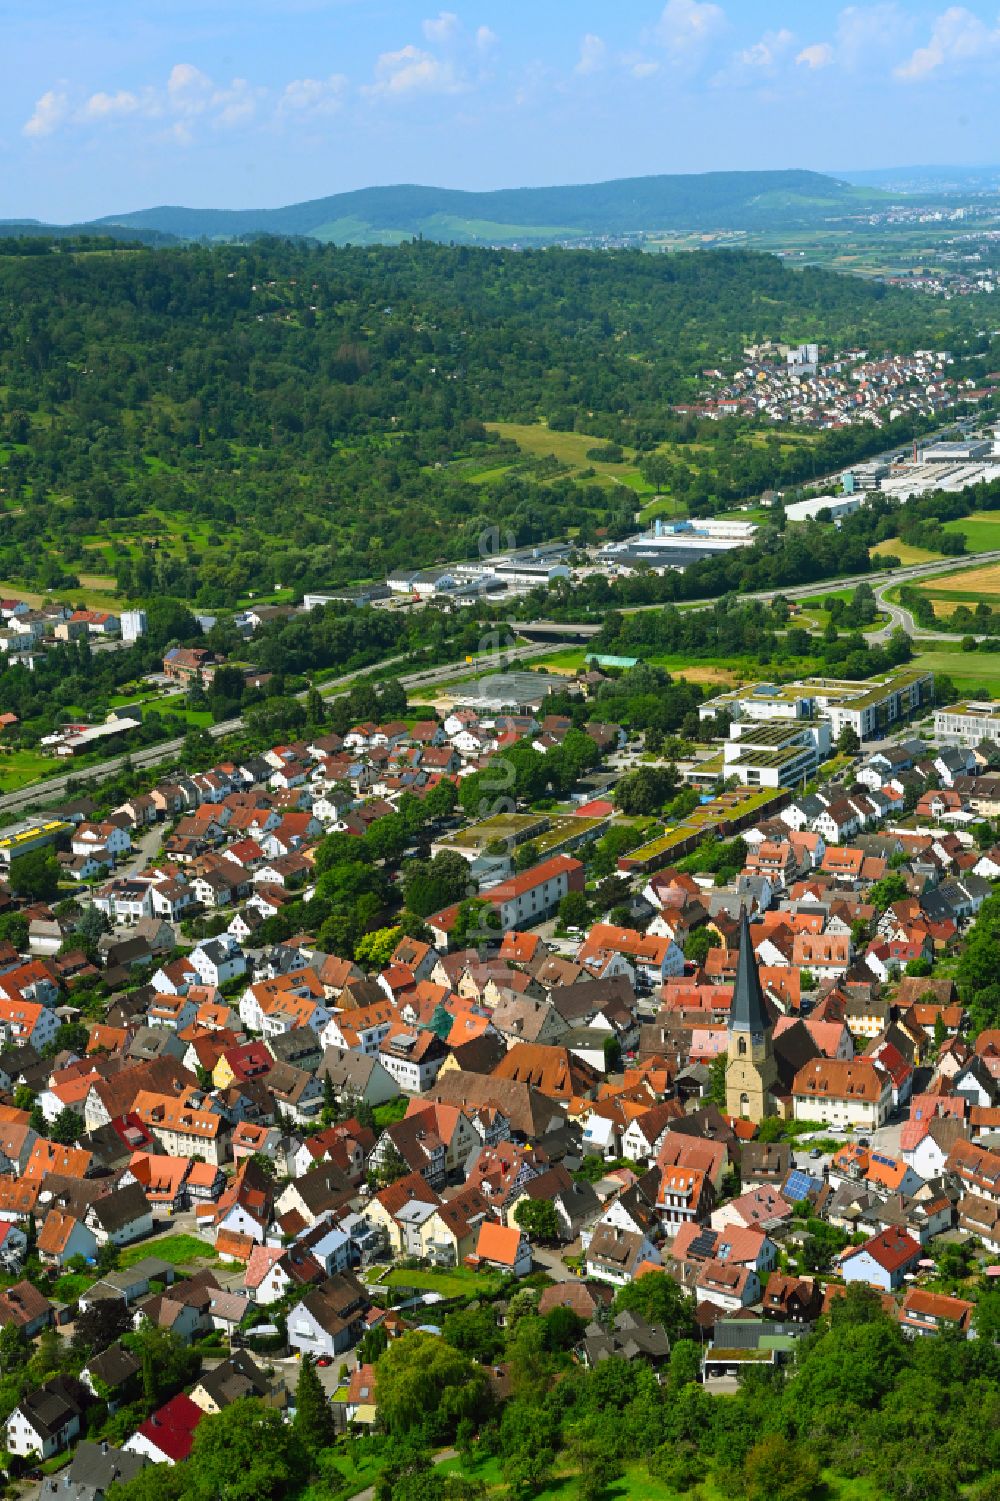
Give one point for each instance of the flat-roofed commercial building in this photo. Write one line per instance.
(776, 755)
(968, 722)
(869, 707)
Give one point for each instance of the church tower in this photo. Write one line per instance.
(751, 1072)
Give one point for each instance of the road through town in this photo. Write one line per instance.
(557, 634)
(54, 788)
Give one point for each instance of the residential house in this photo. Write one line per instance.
(331, 1317)
(504, 1248)
(883, 1261)
(46, 1420)
(925, 1312)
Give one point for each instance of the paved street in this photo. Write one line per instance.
(551, 1261)
(52, 790)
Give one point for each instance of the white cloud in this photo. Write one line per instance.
(593, 55)
(185, 102)
(455, 59)
(639, 65)
(772, 46)
(107, 106)
(443, 29)
(816, 55)
(235, 105)
(410, 70)
(188, 89)
(50, 111)
(869, 35)
(687, 28)
(313, 96)
(958, 37)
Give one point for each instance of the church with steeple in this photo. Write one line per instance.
(751, 1070)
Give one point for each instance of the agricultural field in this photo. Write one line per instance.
(981, 530)
(966, 586)
(896, 548)
(719, 671)
(537, 439)
(94, 592)
(975, 673)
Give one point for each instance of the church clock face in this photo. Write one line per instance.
(757, 1039)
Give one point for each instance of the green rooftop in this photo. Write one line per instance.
(548, 831)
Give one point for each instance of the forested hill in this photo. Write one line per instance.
(203, 422)
(709, 200)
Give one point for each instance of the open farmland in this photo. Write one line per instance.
(539, 440)
(967, 586)
(895, 547)
(971, 672)
(981, 530)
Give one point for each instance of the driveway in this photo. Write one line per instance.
(142, 851)
(547, 1260)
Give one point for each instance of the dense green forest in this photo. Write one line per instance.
(207, 423)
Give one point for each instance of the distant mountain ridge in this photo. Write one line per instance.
(684, 202)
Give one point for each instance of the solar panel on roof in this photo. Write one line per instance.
(799, 1185)
(703, 1243)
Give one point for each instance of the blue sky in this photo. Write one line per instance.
(108, 105)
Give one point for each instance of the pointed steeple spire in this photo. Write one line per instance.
(749, 1012)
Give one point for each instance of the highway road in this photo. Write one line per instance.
(882, 579)
(54, 788)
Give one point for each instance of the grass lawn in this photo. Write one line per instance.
(822, 600)
(179, 1250)
(359, 1468)
(663, 505)
(571, 660)
(177, 704)
(571, 449)
(455, 1282)
(635, 1485)
(484, 476)
(711, 670)
(981, 530)
(485, 1469)
(20, 767)
(722, 670)
(970, 671)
